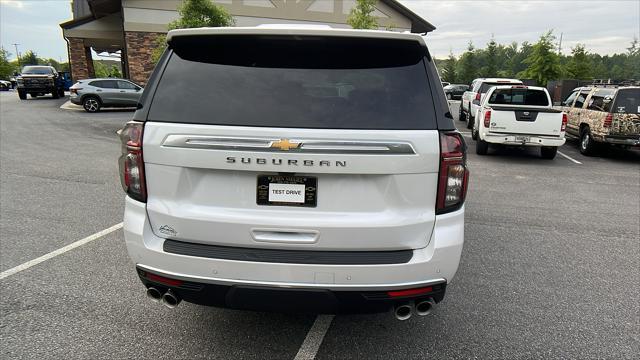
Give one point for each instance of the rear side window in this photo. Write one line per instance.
(528, 97)
(105, 84)
(600, 99)
(627, 101)
(581, 99)
(301, 81)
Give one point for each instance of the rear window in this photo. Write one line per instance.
(528, 97)
(627, 101)
(301, 81)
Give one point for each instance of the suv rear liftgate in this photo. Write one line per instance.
(303, 158)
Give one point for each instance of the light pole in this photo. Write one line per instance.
(17, 54)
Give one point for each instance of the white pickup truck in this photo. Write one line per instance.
(472, 98)
(521, 116)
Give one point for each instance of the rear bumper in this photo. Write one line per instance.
(435, 264)
(287, 299)
(623, 140)
(510, 139)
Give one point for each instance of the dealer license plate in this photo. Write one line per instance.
(287, 190)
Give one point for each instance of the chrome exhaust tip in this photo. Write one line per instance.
(403, 312)
(170, 300)
(424, 307)
(154, 294)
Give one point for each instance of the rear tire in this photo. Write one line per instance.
(548, 152)
(91, 104)
(55, 94)
(474, 134)
(587, 145)
(461, 116)
(22, 95)
(470, 121)
(61, 93)
(482, 147)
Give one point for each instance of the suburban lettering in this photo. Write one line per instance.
(263, 161)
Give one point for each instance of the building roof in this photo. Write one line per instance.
(101, 8)
(419, 25)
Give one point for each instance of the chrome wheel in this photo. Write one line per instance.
(91, 105)
(585, 140)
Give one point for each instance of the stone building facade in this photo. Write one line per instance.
(131, 27)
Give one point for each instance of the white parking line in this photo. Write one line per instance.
(569, 157)
(312, 342)
(60, 251)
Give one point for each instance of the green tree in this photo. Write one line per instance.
(491, 68)
(29, 58)
(467, 68)
(449, 69)
(103, 70)
(6, 68)
(543, 62)
(632, 61)
(194, 14)
(361, 16)
(579, 66)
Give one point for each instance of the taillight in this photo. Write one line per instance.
(454, 175)
(74, 90)
(564, 122)
(487, 118)
(608, 120)
(131, 163)
(478, 96)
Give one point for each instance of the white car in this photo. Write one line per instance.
(301, 169)
(522, 116)
(472, 98)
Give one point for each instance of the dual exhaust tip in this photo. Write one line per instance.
(422, 308)
(169, 299)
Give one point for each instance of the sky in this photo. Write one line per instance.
(604, 26)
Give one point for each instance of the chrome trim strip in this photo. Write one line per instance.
(307, 146)
(356, 287)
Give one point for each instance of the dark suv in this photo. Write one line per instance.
(39, 80)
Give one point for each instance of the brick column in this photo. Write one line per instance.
(140, 46)
(80, 59)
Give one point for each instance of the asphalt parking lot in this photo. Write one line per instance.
(550, 269)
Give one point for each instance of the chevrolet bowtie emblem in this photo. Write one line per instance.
(285, 145)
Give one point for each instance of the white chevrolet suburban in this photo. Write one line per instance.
(522, 116)
(295, 170)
